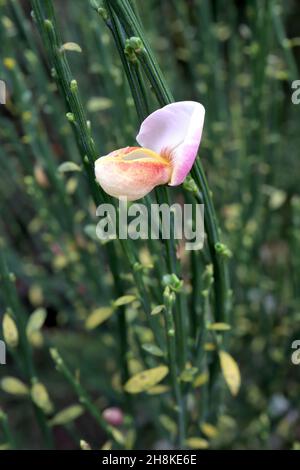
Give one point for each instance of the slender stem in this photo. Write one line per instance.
(164, 96)
(6, 430)
(83, 396)
(172, 361)
(86, 145)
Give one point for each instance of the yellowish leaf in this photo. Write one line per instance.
(107, 445)
(67, 415)
(117, 435)
(146, 379)
(209, 347)
(71, 46)
(201, 379)
(97, 104)
(41, 398)
(158, 309)
(124, 300)
(35, 294)
(231, 372)
(97, 317)
(209, 430)
(158, 390)
(9, 63)
(197, 443)
(10, 331)
(152, 349)
(36, 339)
(14, 386)
(5, 446)
(85, 445)
(71, 185)
(219, 326)
(36, 321)
(68, 166)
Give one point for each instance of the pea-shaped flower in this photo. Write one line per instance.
(169, 139)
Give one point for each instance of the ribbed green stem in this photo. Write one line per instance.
(172, 346)
(6, 431)
(83, 397)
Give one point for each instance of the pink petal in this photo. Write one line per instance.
(175, 131)
(131, 172)
(113, 416)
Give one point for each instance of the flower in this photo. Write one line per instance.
(169, 139)
(113, 416)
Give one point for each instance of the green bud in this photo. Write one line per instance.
(190, 185)
(56, 357)
(103, 13)
(172, 281)
(133, 47)
(70, 117)
(169, 296)
(135, 43)
(137, 266)
(48, 25)
(73, 86)
(223, 250)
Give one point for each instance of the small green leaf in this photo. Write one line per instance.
(117, 435)
(158, 389)
(124, 300)
(168, 424)
(152, 349)
(201, 379)
(158, 309)
(10, 331)
(40, 397)
(66, 167)
(97, 317)
(67, 415)
(209, 430)
(197, 443)
(36, 321)
(146, 379)
(230, 371)
(218, 326)
(71, 46)
(96, 104)
(188, 374)
(14, 386)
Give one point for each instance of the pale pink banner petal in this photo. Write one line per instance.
(175, 131)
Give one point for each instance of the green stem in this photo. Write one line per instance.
(164, 96)
(172, 345)
(6, 430)
(83, 396)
